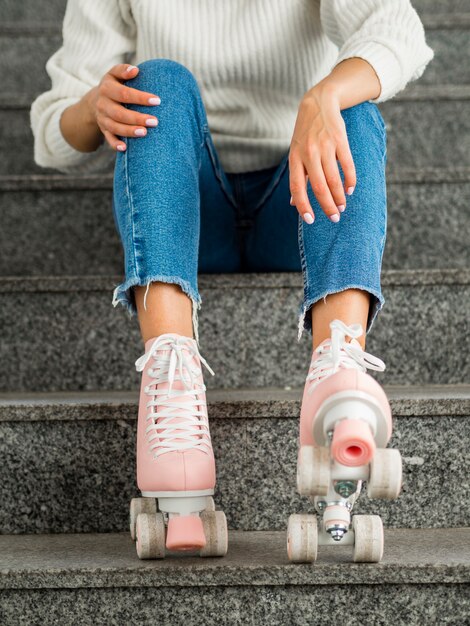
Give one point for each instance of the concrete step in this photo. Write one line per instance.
(48, 220)
(97, 579)
(63, 333)
(413, 133)
(25, 49)
(68, 459)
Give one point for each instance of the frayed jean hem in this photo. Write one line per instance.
(123, 294)
(305, 321)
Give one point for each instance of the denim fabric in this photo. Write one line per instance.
(179, 213)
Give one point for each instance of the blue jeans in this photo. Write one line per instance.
(178, 213)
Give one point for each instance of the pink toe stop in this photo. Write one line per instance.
(185, 532)
(353, 443)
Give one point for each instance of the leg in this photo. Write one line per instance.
(165, 184)
(340, 262)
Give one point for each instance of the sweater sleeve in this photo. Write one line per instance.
(388, 34)
(95, 36)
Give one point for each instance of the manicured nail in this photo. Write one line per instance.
(291, 200)
(334, 217)
(151, 122)
(350, 191)
(154, 100)
(121, 147)
(131, 67)
(140, 132)
(341, 207)
(308, 217)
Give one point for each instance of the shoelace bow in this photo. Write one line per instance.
(337, 352)
(178, 424)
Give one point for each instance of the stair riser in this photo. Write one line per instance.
(26, 57)
(42, 231)
(413, 135)
(77, 340)
(401, 604)
(79, 476)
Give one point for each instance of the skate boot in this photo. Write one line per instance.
(345, 425)
(175, 461)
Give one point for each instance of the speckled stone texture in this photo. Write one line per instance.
(69, 466)
(449, 46)
(98, 579)
(64, 231)
(412, 135)
(64, 334)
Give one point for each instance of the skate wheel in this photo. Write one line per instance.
(185, 533)
(353, 443)
(302, 538)
(385, 477)
(313, 471)
(210, 504)
(215, 529)
(140, 505)
(150, 536)
(368, 538)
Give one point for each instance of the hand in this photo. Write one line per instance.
(318, 141)
(113, 119)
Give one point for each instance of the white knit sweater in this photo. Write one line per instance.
(253, 60)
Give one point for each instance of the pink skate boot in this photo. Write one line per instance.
(345, 425)
(175, 462)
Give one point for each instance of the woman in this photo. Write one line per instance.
(221, 118)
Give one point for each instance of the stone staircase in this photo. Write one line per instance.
(68, 389)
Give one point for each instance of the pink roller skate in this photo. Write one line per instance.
(175, 462)
(345, 425)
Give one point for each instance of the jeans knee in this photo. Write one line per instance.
(158, 73)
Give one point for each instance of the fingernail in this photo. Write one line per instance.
(151, 122)
(154, 100)
(308, 217)
(291, 200)
(140, 132)
(350, 191)
(131, 67)
(121, 147)
(341, 207)
(334, 217)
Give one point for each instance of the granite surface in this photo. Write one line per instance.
(57, 332)
(43, 229)
(354, 605)
(430, 556)
(413, 135)
(72, 469)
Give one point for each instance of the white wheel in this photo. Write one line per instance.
(140, 505)
(150, 536)
(215, 530)
(302, 538)
(368, 538)
(385, 476)
(210, 504)
(313, 471)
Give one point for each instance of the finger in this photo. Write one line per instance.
(118, 92)
(298, 189)
(114, 142)
(332, 177)
(119, 113)
(123, 71)
(320, 187)
(124, 130)
(343, 152)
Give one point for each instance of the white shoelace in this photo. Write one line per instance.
(178, 424)
(336, 353)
